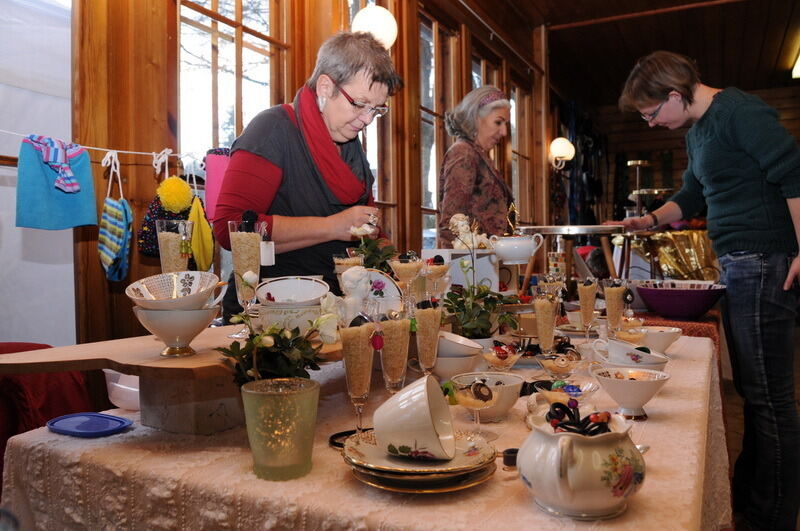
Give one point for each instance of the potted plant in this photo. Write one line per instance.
(476, 309)
(376, 253)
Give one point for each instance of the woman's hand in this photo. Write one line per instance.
(353, 217)
(631, 224)
(793, 275)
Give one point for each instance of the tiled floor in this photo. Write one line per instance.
(734, 420)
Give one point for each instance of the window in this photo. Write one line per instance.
(521, 164)
(230, 51)
(435, 47)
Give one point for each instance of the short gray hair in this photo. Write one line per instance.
(346, 54)
(462, 122)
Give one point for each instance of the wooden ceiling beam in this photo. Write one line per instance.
(638, 14)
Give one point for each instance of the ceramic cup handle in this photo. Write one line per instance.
(538, 240)
(219, 297)
(493, 238)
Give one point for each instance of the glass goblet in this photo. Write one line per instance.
(434, 273)
(429, 321)
(406, 268)
(357, 353)
(473, 394)
(246, 238)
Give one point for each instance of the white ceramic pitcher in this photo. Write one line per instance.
(580, 476)
(517, 249)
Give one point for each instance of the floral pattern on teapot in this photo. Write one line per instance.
(622, 473)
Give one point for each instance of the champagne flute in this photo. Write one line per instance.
(357, 353)
(614, 292)
(396, 336)
(406, 268)
(246, 238)
(174, 244)
(429, 321)
(434, 270)
(587, 294)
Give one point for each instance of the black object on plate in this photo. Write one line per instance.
(337, 439)
(88, 424)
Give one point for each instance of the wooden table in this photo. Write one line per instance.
(151, 479)
(194, 394)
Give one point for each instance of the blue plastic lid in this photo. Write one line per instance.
(88, 424)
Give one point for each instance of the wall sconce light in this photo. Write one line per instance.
(561, 150)
(379, 21)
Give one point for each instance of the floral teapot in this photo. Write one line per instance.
(516, 249)
(581, 476)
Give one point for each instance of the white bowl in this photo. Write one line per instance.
(630, 388)
(176, 328)
(288, 317)
(453, 345)
(446, 368)
(659, 338)
(416, 417)
(123, 389)
(508, 393)
(295, 291)
(182, 290)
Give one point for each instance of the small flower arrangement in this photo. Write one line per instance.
(279, 352)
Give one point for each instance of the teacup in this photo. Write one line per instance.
(624, 353)
(416, 418)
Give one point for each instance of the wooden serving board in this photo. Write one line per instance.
(139, 356)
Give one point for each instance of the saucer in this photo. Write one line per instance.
(381, 286)
(458, 482)
(363, 452)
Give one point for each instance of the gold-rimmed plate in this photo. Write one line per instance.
(571, 329)
(363, 451)
(460, 482)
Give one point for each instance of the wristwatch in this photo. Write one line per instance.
(655, 220)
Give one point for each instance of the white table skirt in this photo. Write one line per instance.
(149, 479)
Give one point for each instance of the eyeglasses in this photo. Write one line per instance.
(361, 107)
(652, 116)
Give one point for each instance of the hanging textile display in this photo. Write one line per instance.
(216, 162)
(114, 239)
(55, 189)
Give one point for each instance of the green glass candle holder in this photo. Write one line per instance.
(281, 414)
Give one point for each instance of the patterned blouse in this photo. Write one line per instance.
(469, 184)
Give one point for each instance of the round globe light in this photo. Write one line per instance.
(378, 21)
(561, 148)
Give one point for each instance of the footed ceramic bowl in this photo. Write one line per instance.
(182, 290)
(176, 328)
(659, 338)
(293, 291)
(507, 385)
(453, 345)
(630, 388)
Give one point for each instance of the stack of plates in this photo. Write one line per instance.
(472, 465)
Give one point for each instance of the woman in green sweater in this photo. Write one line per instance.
(745, 167)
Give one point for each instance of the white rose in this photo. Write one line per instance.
(326, 326)
(250, 278)
(363, 230)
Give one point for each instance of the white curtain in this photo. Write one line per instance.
(37, 294)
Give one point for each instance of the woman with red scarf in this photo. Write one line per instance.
(301, 167)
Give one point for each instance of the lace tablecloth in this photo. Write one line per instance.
(150, 479)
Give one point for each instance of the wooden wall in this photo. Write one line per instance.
(627, 133)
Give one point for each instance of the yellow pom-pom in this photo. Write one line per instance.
(175, 194)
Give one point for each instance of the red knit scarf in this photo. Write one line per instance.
(337, 174)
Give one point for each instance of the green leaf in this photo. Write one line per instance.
(405, 449)
(392, 450)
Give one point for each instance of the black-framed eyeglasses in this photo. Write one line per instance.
(362, 108)
(652, 116)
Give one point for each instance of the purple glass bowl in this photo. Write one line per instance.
(680, 303)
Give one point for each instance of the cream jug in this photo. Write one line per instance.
(580, 476)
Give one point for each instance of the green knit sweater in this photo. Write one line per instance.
(743, 165)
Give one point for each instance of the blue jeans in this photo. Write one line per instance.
(759, 319)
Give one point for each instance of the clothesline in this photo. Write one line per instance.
(150, 153)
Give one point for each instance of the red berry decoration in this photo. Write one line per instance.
(377, 341)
